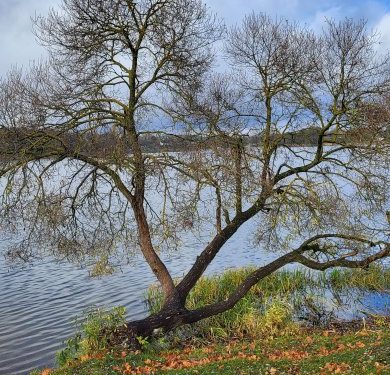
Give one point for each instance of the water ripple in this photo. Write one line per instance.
(39, 303)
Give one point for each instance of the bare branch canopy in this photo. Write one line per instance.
(126, 140)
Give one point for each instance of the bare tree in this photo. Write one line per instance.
(123, 71)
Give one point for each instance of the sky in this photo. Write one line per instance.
(18, 46)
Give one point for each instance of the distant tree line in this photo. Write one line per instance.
(109, 145)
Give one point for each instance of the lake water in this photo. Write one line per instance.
(38, 303)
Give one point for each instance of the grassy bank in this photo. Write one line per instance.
(359, 351)
(260, 335)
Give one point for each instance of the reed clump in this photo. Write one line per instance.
(273, 305)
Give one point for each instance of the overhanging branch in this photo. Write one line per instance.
(292, 257)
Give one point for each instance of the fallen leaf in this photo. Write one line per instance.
(336, 368)
(309, 340)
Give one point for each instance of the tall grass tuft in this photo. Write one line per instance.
(269, 307)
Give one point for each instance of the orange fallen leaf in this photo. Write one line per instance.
(84, 357)
(309, 340)
(336, 368)
(323, 351)
(341, 347)
(127, 368)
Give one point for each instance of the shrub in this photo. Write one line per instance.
(94, 331)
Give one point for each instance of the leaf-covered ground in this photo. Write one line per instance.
(363, 351)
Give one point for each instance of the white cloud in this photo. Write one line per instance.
(319, 18)
(234, 10)
(383, 28)
(18, 45)
(371, 11)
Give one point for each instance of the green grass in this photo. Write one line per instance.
(218, 287)
(354, 352)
